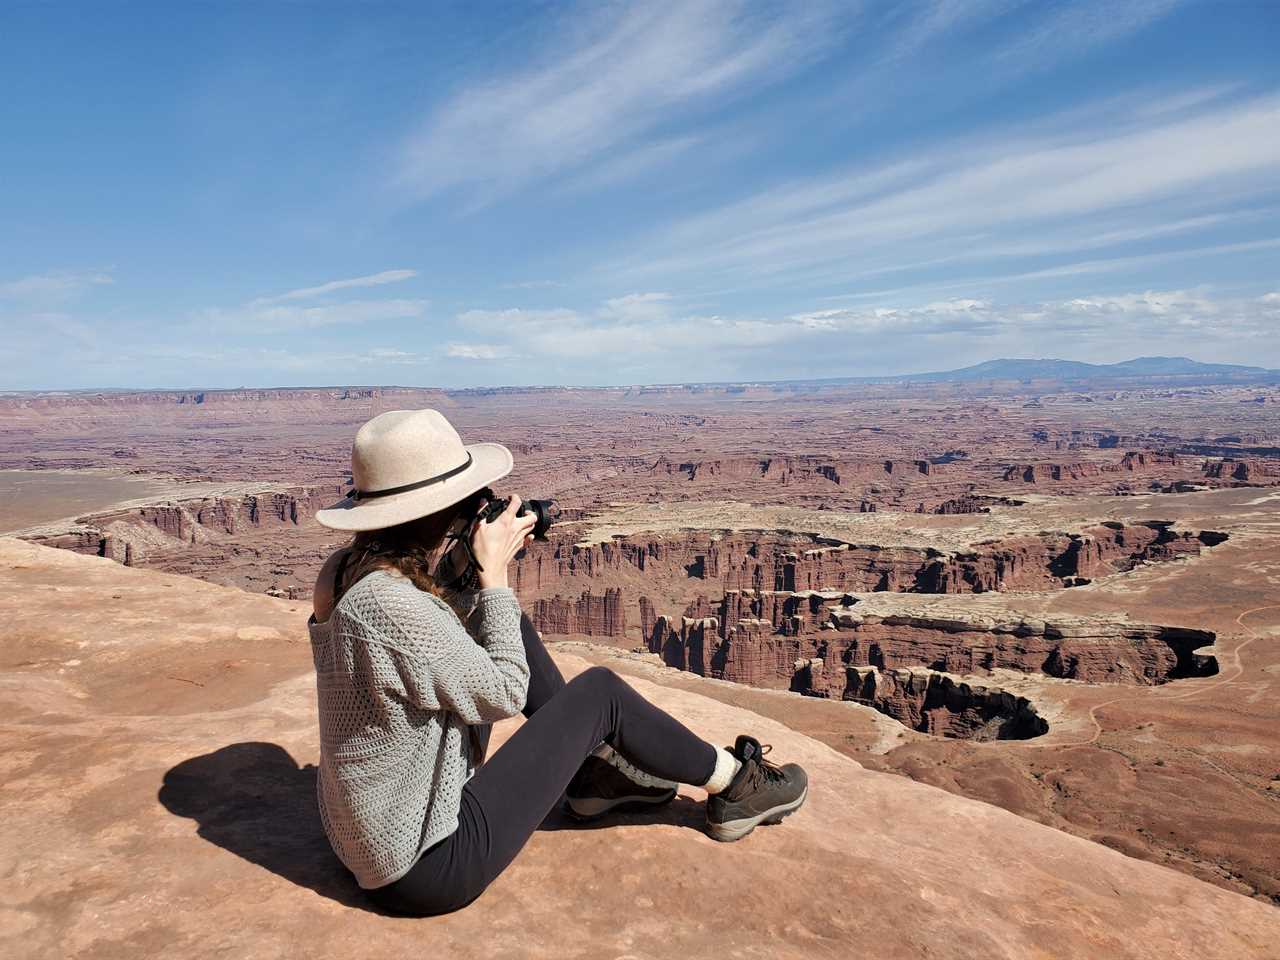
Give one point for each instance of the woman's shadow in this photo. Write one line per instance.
(255, 801)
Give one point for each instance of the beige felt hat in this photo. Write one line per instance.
(406, 464)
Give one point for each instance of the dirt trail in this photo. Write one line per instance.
(1238, 668)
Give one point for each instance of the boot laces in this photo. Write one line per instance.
(765, 770)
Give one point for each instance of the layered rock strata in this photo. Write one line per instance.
(589, 615)
(783, 562)
(791, 469)
(1135, 461)
(925, 700)
(1249, 471)
(129, 534)
(756, 638)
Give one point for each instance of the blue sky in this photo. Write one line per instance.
(479, 194)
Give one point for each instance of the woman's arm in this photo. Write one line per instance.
(322, 597)
(442, 667)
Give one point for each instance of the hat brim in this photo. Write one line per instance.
(489, 462)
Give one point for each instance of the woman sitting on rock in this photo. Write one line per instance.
(407, 692)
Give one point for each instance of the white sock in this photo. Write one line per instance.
(630, 770)
(727, 767)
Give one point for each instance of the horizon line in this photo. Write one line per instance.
(1244, 370)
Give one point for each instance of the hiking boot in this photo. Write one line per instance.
(601, 785)
(761, 792)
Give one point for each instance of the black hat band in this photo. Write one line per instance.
(355, 494)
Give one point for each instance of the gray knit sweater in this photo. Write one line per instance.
(398, 678)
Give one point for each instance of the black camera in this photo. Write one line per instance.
(545, 511)
(457, 569)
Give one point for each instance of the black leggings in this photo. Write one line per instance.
(522, 782)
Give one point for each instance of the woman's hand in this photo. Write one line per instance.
(496, 541)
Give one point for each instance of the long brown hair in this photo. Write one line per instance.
(411, 548)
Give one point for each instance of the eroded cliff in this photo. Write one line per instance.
(926, 700)
(757, 637)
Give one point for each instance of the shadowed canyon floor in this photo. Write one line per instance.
(158, 741)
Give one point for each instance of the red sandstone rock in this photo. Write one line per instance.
(776, 562)
(925, 700)
(760, 636)
(1244, 471)
(124, 535)
(1134, 461)
(789, 469)
(165, 768)
(589, 615)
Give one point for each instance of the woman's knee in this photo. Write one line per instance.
(597, 680)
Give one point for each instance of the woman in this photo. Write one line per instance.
(409, 681)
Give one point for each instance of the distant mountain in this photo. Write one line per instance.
(1048, 369)
(1145, 371)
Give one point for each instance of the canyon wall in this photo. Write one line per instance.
(780, 562)
(1243, 471)
(791, 469)
(927, 701)
(129, 535)
(1134, 461)
(757, 638)
(589, 615)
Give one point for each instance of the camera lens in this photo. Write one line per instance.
(546, 513)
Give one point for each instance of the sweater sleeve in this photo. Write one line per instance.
(443, 668)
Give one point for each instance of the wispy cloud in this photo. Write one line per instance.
(630, 162)
(623, 72)
(477, 351)
(1077, 268)
(1190, 317)
(623, 329)
(279, 314)
(972, 317)
(1074, 29)
(267, 318)
(1185, 99)
(54, 286)
(391, 355)
(1090, 237)
(637, 308)
(663, 339)
(266, 358)
(980, 197)
(324, 289)
(937, 18)
(534, 285)
(664, 342)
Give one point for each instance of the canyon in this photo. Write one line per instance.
(928, 701)
(755, 639)
(1053, 601)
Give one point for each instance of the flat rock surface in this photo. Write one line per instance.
(157, 748)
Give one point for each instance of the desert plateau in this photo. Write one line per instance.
(1059, 603)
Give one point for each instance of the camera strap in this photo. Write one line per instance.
(465, 578)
